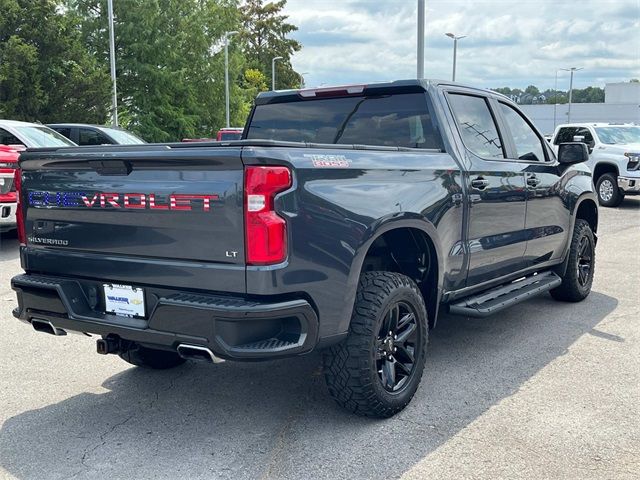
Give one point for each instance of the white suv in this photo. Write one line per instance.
(614, 157)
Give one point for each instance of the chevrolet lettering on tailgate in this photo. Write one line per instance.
(132, 201)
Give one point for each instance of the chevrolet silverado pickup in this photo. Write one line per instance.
(342, 221)
(614, 157)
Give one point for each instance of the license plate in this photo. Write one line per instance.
(124, 300)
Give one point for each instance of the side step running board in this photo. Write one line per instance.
(504, 296)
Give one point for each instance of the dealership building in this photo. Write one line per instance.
(621, 105)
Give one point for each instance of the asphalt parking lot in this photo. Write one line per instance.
(544, 390)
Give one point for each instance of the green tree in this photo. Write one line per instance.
(264, 35)
(170, 63)
(46, 73)
(588, 95)
(532, 90)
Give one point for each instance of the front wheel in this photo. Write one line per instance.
(578, 277)
(377, 369)
(609, 195)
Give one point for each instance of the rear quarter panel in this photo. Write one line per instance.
(341, 200)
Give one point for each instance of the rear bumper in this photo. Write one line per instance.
(231, 327)
(629, 185)
(7, 216)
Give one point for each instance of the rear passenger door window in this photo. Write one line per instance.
(64, 131)
(526, 141)
(477, 126)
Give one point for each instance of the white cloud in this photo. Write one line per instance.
(509, 43)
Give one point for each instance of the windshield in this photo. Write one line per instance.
(618, 135)
(122, 136)
(43, 137)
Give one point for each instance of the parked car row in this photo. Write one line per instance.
(15, 136)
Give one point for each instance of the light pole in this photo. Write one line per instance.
(112, 59)
(555, 99)
(420, 49)
(572, 69)
(226, 73)
(302, 78)
(455, 52)
(273, 71)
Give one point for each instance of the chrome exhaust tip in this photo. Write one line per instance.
(45, 326)
(197, 352)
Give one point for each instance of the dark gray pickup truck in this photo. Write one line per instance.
(343, 220)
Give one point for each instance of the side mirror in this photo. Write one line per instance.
(572, 152)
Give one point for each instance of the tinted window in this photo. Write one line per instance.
(565, 134)
(230, 135)
(63, 131)
(87, 136)
(584, 132)
(528, 144)
(7, 138)
(477, 127)
(391, 120)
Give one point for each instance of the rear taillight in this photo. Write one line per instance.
(17, 183)
(265, 230)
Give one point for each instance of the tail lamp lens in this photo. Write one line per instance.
(265, 230)
(17, 183)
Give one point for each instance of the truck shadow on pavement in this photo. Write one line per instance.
(9, 248)
(276, 420)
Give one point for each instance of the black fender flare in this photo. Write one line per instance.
(380, 227)
(584, 197)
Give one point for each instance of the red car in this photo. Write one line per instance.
(233, 133)
(224, 134)
(8, 198)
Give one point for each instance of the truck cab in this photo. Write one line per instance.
(614, 157)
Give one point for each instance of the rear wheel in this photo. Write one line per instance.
(578, 277)
(609, 195)
(151, 358)
(377, 369)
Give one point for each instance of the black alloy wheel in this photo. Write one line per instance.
(397, 346)
(585, 260)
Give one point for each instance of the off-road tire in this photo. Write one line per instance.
(616, 195)
(151, 358)
(571, 289)
(350, 367)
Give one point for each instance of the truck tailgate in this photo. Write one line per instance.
(137, 216)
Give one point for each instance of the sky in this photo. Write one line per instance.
(508, 43)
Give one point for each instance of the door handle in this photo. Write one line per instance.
(479, 183)
(532, 180)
